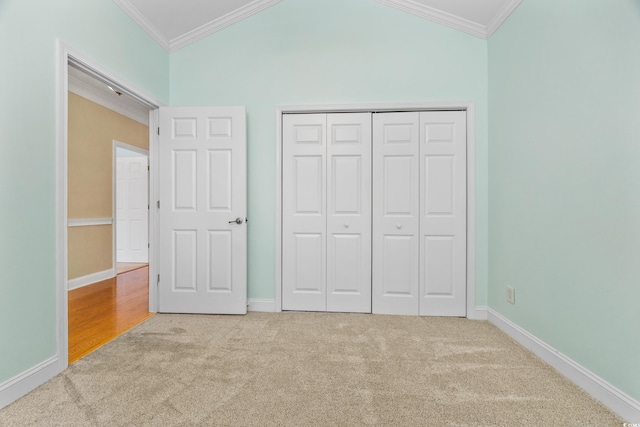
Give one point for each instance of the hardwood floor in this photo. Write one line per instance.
(123, 267)
(100, 312)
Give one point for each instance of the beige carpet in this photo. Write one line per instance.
(303, 369)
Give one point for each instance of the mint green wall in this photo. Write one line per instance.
(564, 229)
(28, 32)
(327, 52)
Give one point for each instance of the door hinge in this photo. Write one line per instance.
(158, 130)
(158, 204)
(158, 279)
(149, 245)
(148, 167)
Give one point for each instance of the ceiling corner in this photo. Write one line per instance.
(220, 23)
(501, 16)
(144, 23)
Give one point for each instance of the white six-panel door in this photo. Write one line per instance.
(443, 213)
(132, 213)
(396, 241)
(202, 192)
(326, 212)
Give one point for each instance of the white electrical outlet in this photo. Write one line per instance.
(511, 295)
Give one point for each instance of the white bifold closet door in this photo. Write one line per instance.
(419, 213)
(326, 212)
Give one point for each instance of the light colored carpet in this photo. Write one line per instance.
(303, 369)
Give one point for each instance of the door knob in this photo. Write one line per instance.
(237, 221)
(399, 226)
(346, 225)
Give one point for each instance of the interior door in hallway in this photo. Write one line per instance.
(132, 213)
(203, 207)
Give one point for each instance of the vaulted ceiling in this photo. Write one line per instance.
(175, 24)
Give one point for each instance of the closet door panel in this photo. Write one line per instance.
(443, 213)
(396, 174)
(304, 212)
(349, 212)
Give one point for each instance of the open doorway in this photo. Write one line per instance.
(97, 115)
(131, 207)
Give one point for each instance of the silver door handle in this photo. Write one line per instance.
(237, 221)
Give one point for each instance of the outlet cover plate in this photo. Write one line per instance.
(511, 295)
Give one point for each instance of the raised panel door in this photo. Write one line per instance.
(349, 212)
(443, 213)
(304, 265)
(396, 173)
(203, 257)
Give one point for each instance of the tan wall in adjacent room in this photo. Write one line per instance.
(92, 129)
(90, 250)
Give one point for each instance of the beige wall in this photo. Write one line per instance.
(92, 129)
(90, 250)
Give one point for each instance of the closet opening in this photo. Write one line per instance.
(375, 209)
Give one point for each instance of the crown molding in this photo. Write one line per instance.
(220, 23)
(454, 21)
(144, 23)
(502, 15)
(438, 16)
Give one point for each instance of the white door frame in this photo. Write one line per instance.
(467, 106)
(114, 156)
(65, 54)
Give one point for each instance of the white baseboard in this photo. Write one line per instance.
(16, 387)
(90, 279)
(264, 305)
(479, 313)
(619, 402)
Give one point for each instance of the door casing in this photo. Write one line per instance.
(66, 55)
(467, 106)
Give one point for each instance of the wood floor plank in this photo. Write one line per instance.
(123, 267)
(101, 312)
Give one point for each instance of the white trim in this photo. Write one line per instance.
(263, 305)
(154, 223)
(196, 34)
(507, 8)
(219, 23)
(478, 313)
(438, 16)
(88, 66)
(119, 144)
(126, 108)
(278, 255)
(90, 279)
(144, 23)
(89, 222)
(16, 387)
(62, 112)
(467, 106)
(619, 402)
(454, 21)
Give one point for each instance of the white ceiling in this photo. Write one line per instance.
(175, 24)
